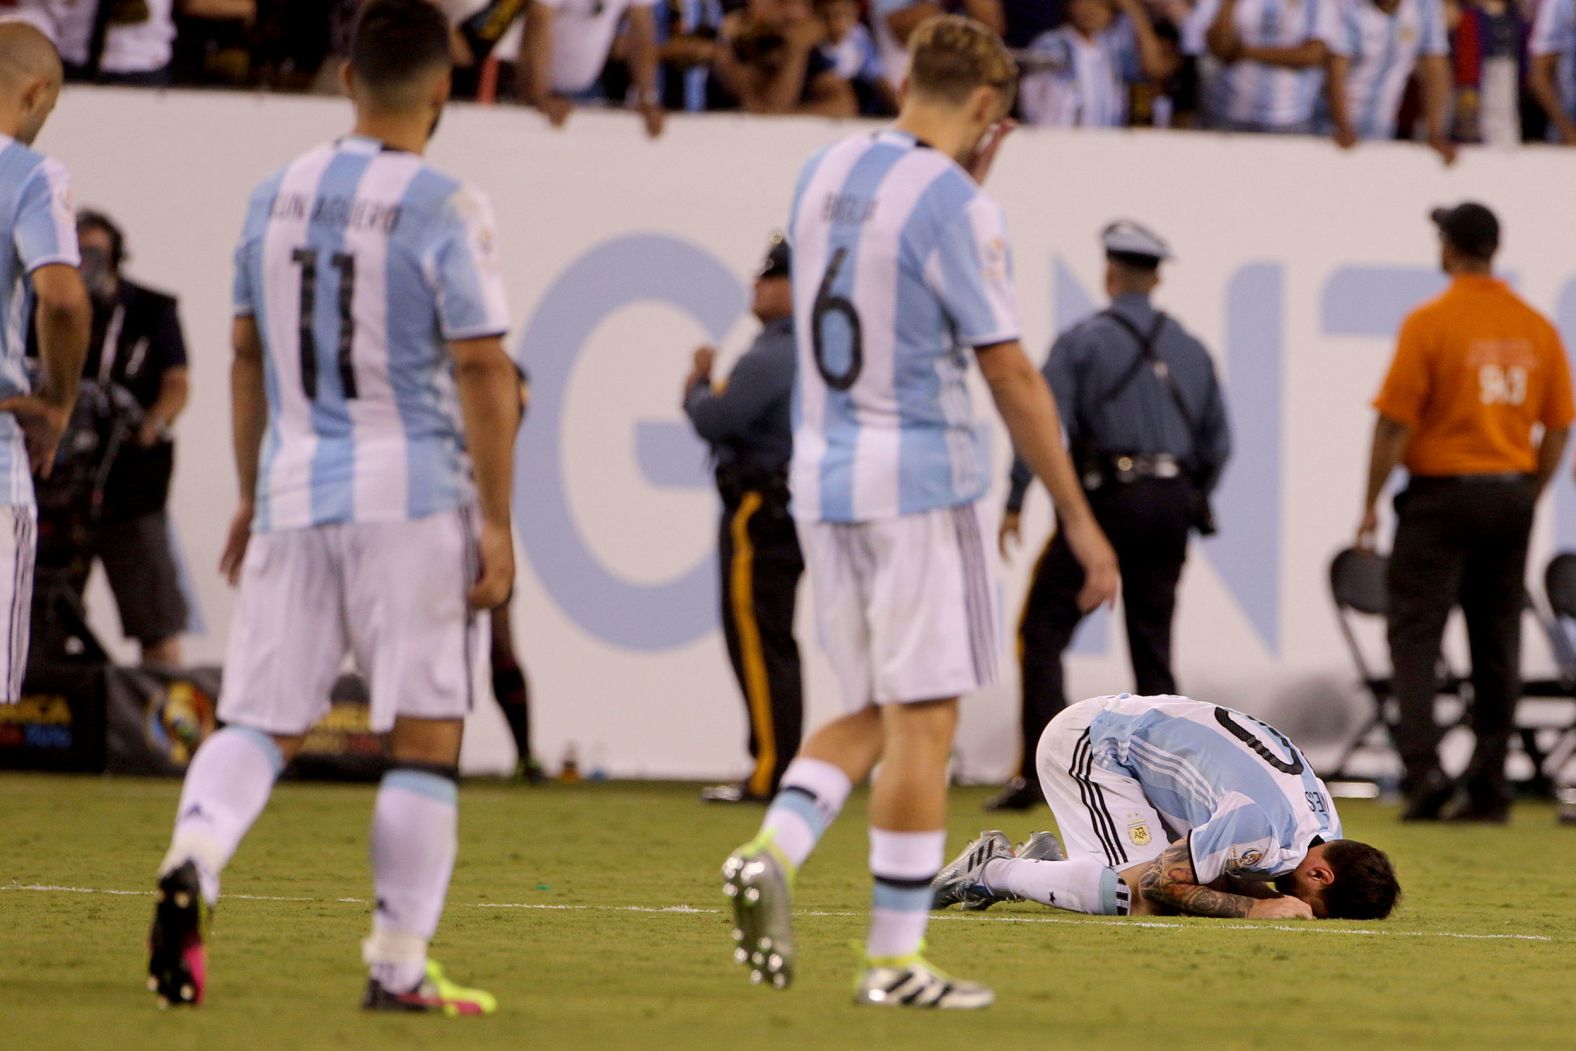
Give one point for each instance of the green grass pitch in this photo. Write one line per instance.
(593, 912)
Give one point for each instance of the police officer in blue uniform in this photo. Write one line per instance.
(746, 423)
(1147, 429)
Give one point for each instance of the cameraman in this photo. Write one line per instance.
(136, 343)
(1147, 430)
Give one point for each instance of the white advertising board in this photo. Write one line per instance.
(1295, 264)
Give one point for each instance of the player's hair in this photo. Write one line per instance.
(951, 56)
(396, 44)
(88, 219)
(1365, 887)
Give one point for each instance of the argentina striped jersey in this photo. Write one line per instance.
(1243, 794)
(1384, 49)
(1259, 94)
(35, 201)
(900, 267)
(360, 263)
(1554, 33)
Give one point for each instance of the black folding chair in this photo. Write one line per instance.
(1357, 587)
(1559, 590)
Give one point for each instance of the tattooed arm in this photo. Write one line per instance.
(1171, 884)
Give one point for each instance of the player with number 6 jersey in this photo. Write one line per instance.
(902, 277)
(375, 411)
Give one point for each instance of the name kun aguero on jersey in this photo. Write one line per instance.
(351, 213)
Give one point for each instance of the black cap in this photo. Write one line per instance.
(1469, 226)
(776, 264)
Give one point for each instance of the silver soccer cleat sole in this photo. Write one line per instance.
(959, 883)
(1042, 846)
(757, 887)
(919, 985)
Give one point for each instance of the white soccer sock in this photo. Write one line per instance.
(902, 864)
(809, 797)
(414, 839)
(1077, 885)
(226, 787)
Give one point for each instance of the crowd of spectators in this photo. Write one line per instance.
(1438, 71)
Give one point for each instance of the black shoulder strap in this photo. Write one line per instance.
(1162, 371)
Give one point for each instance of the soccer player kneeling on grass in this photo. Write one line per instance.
(375, 414)
(1259, 837)
(902, 276)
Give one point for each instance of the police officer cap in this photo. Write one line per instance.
(1134, 244)
(1470, 227)
(776, 264)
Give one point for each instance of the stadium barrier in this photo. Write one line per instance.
(1295, 264)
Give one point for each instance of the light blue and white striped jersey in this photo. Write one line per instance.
(360, 263)
(1252, 93)
(900, 266)
(1384, 49)
(1087, 84)
(1554, 33)
(1243, 794)
(35, 201)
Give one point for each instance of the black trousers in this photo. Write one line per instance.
(1459, 540)
(1147, 522)
(760, 568)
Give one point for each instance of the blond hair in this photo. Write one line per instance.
(951, 56)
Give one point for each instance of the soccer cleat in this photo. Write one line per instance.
(962, 882)
(434, 994)
(732, 792)
(756, 879)
(177, 961)
(909, 981)
(1042, 846)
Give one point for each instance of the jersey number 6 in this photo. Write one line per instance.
(306, 258)
(827, 304)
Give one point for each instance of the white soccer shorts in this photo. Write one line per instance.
(390, 593)
(1100, 813)
(906, 607)
(18, 548)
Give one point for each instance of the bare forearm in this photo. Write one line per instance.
(1550, 451)
(1221, 38)
(1540, 82)
(1169, 883)
(248, 420)
(989, 12)
(490, 407)
(1302, 56)
(1389, 445)
(1335, 91)
(539, 49)
(1436, 95)
(1026, 406)
(780, 93)
(643, 52)
(62, 345)
(174, 390)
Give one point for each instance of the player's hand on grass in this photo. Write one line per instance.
(496, 580)
(1102, 580)
(43, 422)
(235, 541)
(1011, 530)
(1286, 908)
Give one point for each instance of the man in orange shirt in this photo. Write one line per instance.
(1476, 406)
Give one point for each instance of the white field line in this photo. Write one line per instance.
(691, 910)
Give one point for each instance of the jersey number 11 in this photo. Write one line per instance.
(345, 263)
